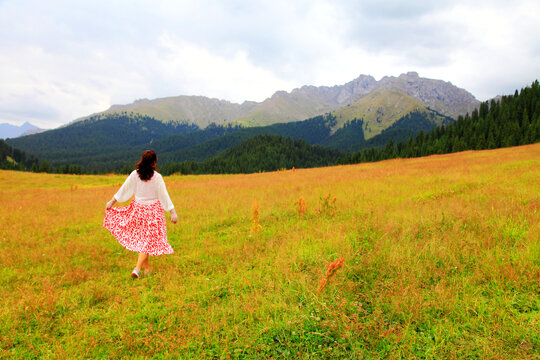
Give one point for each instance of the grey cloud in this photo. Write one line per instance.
(397, 9)
(404, 29)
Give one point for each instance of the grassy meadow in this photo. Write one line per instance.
(441, 260)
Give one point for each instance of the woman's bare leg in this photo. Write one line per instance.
(143, 258)
(146, 265)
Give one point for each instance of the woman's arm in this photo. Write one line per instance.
(165, 200)
(110, 203)
(163, 196)
(126, 191)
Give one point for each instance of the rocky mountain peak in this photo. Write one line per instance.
(280, 94)
(410, 75)
(439, 95)
(355, 89)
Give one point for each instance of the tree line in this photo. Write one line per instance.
(14, 159)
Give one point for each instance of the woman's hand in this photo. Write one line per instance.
(110, 203)
(174, 217)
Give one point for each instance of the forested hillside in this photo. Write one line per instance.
(513, 120)
(314, 131)
(260, 153)
(100, 135)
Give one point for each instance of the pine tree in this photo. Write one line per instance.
(44, 166)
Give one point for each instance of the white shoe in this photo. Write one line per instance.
(135, 274)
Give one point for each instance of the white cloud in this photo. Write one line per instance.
(35, 82)
(495, 56)
(198, 71)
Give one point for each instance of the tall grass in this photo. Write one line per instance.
(442, 261)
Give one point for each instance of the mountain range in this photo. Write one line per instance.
(301, 103)
(359, 114)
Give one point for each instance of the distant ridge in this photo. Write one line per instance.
(13, 131)
(199, 110)
(302, 103)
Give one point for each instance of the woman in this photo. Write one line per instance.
(140, 227)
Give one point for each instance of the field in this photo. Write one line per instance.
(441, 260)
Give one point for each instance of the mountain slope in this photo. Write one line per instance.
(283, 107)
(380, 109)
(198, 110)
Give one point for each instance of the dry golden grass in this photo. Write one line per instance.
(442, 261)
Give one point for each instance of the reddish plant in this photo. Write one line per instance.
(302, 208)
(331, 269)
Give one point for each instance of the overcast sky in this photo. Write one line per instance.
(61, 60)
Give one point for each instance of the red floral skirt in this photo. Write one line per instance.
(139, 228)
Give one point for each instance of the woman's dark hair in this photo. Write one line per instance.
(145, 168)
